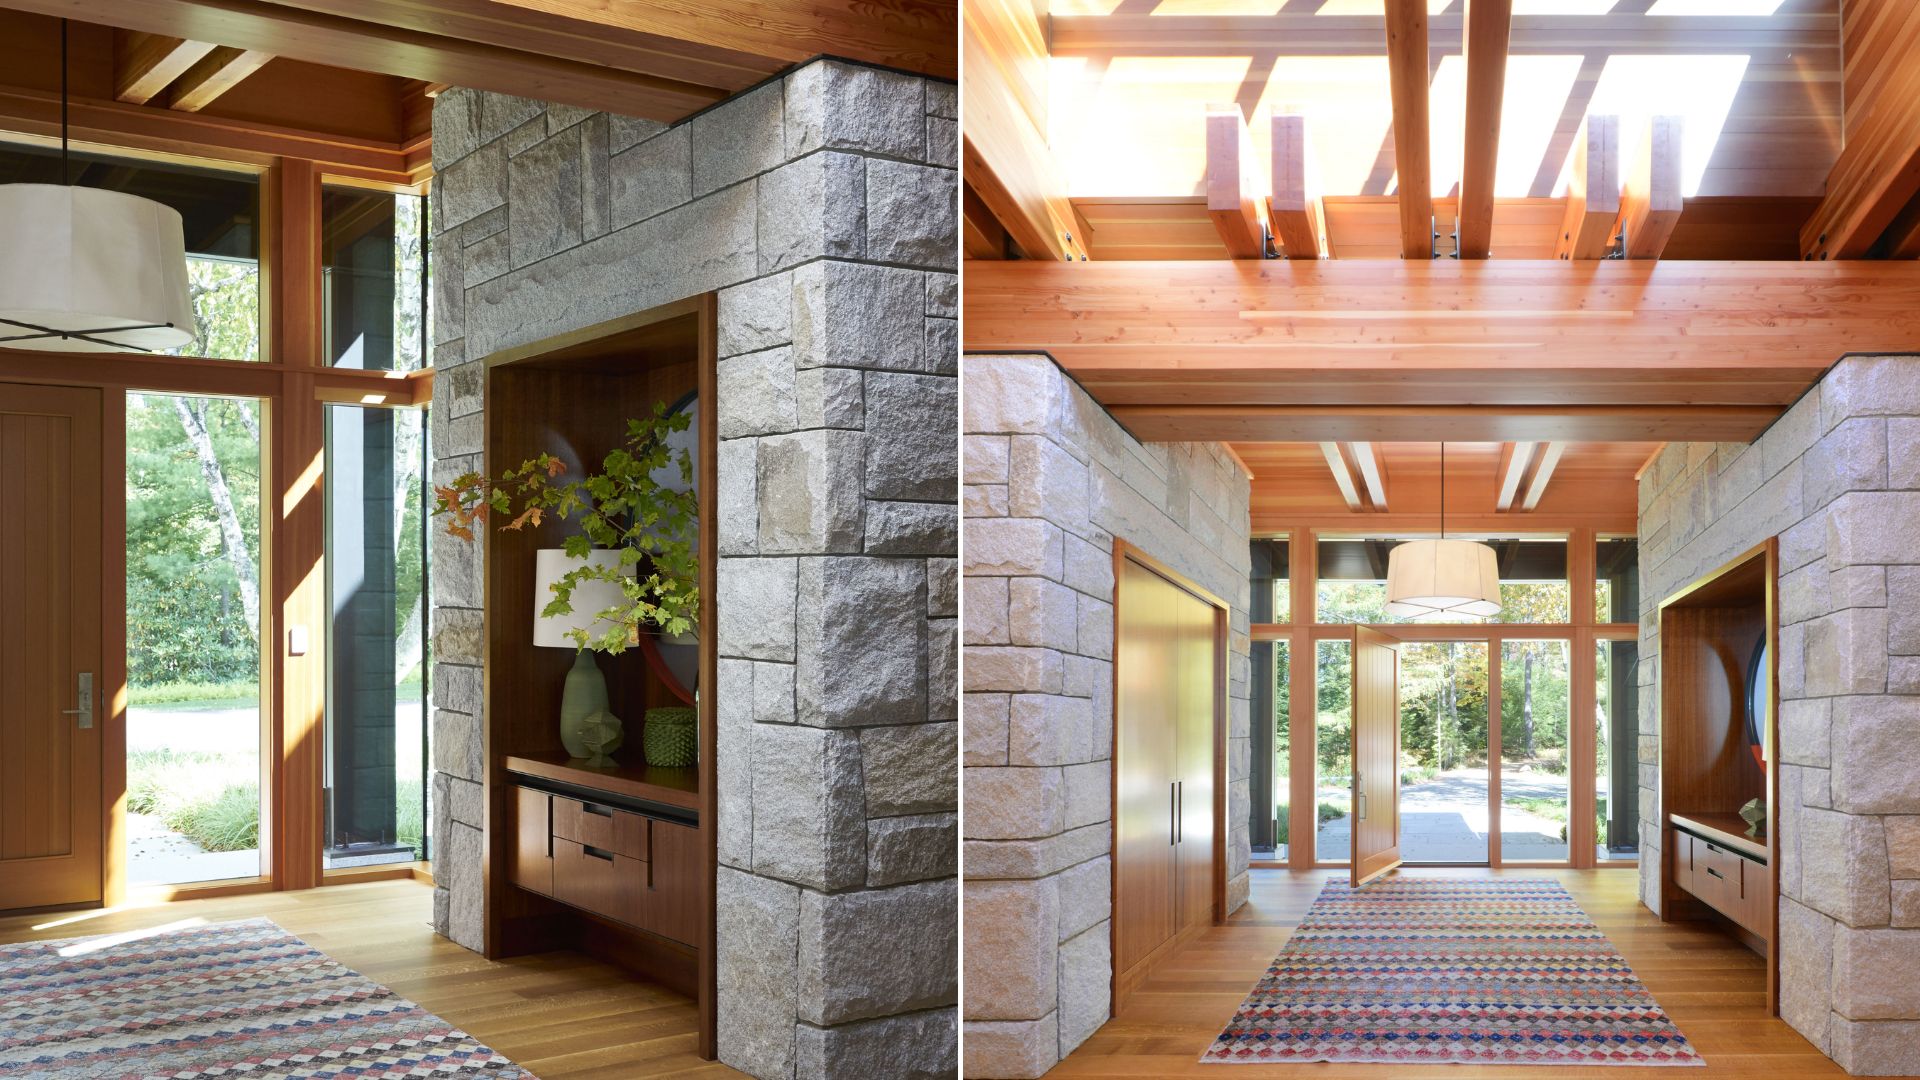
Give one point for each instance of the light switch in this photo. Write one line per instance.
(296, 641)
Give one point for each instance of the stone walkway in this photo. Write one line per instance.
(1444, 820)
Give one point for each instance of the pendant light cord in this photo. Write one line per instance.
(1443, 489)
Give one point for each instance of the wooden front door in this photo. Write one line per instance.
(1376, 754)
(50, 646)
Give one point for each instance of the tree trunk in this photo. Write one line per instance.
(1526, 701)
(1450, 711)
(231, 537)
(247, 421)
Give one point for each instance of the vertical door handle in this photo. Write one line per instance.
(83, 693)
(1179, 808)
(1173, 813)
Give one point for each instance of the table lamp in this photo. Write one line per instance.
(586, 688)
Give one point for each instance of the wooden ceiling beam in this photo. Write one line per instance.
(1542, 474)
(1003, 145)
(146, 64)
(1292, 210)
(1407, 60)
(1651, 204)
(1451, 423)
(981, 235)
(324, 37)
(1593, 191)
(1878, 170)
(1489, 25)
(1373, 473)
(1342, 475)
(1232, 200)
(1515, 459)
(216, 73)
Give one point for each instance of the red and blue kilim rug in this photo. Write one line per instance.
(243, 1000)
(1409, 970)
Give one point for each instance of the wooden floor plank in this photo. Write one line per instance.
(564, 1015)
(1711, 986)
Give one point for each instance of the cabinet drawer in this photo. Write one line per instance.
(532, 863)
(670, 906)
(595, 826)
(599, 881)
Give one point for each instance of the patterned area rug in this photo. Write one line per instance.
(239, 999)
(1414, 970)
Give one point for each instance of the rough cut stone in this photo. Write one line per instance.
(1011, 1048)
(813, 208)
(1903, 846)
(756, 315)
(857, 315)
(740, 140)
(862, 646)
(912, 214)
(911, 449)
(466, 802)
(1014, 803)
(470, 187)
(1025, 859)
(1011, 948)
(878, 952)
(1876, 759)
(912, 528)
(772, 693)
(1013, 547)
(809, 825)
(627, 131)
(1043, 613)
(458, 688)
(915, 1046)
(1086, 966)
(457, 636)
(983, 722)
(756, 394)
(1047, 729)
(830, 398)
(909, 769)
(545, 185)
(913, 848)
(809, 491)
(943, 588)
(756, 924)
(733, 761)
(739, 496)
(1906, 904)
(943, 670)
(832, 104)
(1873, 973)
(459, 870)
(1086, 895)
(1016, 669)
(986, 622)
(755, 604)
(651, 178)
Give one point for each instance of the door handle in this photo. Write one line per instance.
(1173, 813)
(83, 693)
(1179, 809)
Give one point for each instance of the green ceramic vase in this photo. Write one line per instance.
(671, 738)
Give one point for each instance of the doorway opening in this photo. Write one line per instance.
(1445, 814)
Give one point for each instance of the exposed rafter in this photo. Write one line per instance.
(1292, 210)
(1515, 459)
(1373, 472)
(1651, 205)
(1407, 71)
(1004, 145)
(1593, 191)
(216, 73)
(146, 64)
(1878, 171)
(1233, 201)
(1342, 475)
(1542, 474)
(981, 235)
(1489, 24)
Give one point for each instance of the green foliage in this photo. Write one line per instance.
(1534, 703)
(211, 799)
(1323, 813)
(238, 693)
(620, 508)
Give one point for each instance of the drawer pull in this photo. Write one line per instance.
(1710, 870)
(1715, 848)
(596, 810)
(608, 855)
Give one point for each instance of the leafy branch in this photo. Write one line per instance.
(620, 508)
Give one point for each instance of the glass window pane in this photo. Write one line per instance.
(193, 638)
(1534, 702)
(376, 711)
(373, 262)
(1443, 752)
(1333, 751)
(219, 212)
(1352, 586)
(1616, 785)
(1616, 583)
(1282, 746)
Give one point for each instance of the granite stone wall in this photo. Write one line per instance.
(1838, 480)
(822, 207)
(1050, 481)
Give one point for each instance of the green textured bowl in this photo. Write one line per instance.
(671, 738)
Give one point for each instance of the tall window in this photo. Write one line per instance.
(1352, 586)
(193, 638)
(1535, 798)
(1333, 751)
(373, 250)
(220, 212)
(1266, 808)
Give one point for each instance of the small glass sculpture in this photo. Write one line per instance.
(1755, 815)
(601, 735)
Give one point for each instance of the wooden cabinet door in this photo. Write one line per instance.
(1376, 755)
(532, 866)
(51, 630)
(1145, 708)
(670, 905)
(1197, 678)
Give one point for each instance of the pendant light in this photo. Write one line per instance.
(88, 270)
(1443, 577)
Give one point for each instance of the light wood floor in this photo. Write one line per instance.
(563, 1015)
(1711, 986)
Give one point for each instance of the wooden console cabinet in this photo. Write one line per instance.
(615, 861)
(1712, 870)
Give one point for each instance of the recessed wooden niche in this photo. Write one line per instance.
(616, 861)
(1710, 636)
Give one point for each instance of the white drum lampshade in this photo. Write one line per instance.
(1443, 577)
(88, 270)
(588, 600)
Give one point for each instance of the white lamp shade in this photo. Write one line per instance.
(1434, 577)
(588, 600)
(87, 260)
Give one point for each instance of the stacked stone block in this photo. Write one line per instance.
(822, 206)
(1838, 480)
(1050, 481)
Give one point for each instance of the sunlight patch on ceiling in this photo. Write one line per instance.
(1138, 127)
(1738, 8)
(1698, 89)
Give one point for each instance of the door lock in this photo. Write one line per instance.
(84, 694)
